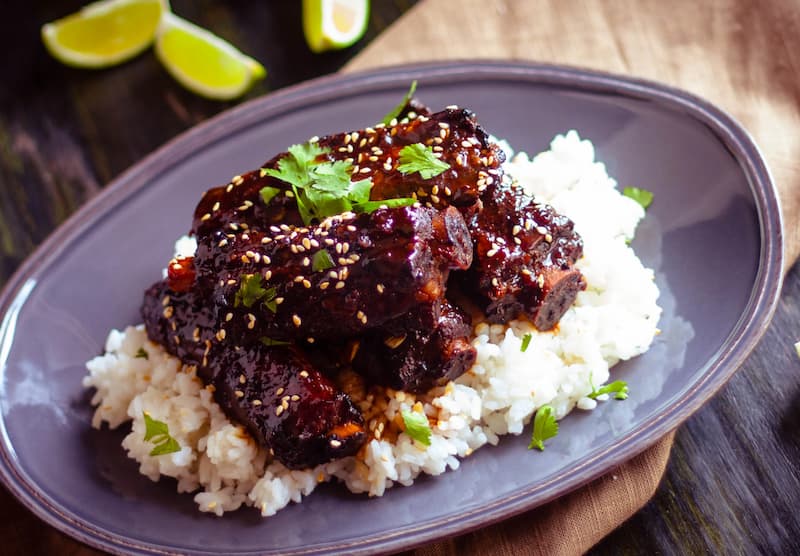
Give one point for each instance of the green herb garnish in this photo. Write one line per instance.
(268, 193)
(269, 342)
(544, 426)
(321, 261)
(526, 341)
(419, 158)
(395, 112)
(371, 206)
(157, 432)
(141, 353)
(641, 196)
(250, 291)
(321, 188)
(619, 388)
(417, 427)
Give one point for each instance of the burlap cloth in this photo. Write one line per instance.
(742, 55)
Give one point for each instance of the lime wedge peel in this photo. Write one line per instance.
(104, 33)
(203, 62)
(334, 24)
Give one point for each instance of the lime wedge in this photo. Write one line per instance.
(204, 63)
(334, 24)
(104, 33)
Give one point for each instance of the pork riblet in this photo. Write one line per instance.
(274, 391)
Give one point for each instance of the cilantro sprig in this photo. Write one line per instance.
(641, 196)
(526, 341)
(545, 427)
(619, 388)
(419, 158)
(157, 432)
(322, 187)
(417, 427)
(395, 112)
(251, 291)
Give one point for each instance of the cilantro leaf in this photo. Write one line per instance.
(526, 341)
(619, 388)
(394, 112)
(268, 193)
(544, 426)
(269, 299)
(641, 196)
(321, 187)
(419, 158)
(158, 433)
(142, 354)
(250, 291)
(372, 206)
(321, 260)
(269, 342)
(417, 427)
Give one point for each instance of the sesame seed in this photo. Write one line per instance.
(237, 180)
(256, 402)
(380, 288)
(278, 300)
(279, 391)
(306, 243)
(278, 411)
(306, 283)
(242, 379)
(548, 238)
(335, 443)
(306, 261)
(495, 282)
(324, 285)
(339, 285)
(295, 398)
(229, 188)
(239, 394)
(205, 217)
(296, 320)
(365, 170)
(215, 208)
(222, 243)
(491, 252)
(168, 311)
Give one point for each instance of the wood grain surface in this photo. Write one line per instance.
(732, 481)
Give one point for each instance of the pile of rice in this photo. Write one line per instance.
(614, 319)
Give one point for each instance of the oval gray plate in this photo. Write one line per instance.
(713, 235)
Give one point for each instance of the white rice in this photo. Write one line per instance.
(613, 320)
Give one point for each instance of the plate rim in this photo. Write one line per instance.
(743, 337)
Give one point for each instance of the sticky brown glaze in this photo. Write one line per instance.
(384, 265)
(286, 404)
(523, 258)
(274, 391)
(453, 134)
(415, 360)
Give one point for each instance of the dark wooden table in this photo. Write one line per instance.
(733, 481)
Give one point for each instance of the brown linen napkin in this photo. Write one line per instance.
(742, 55)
